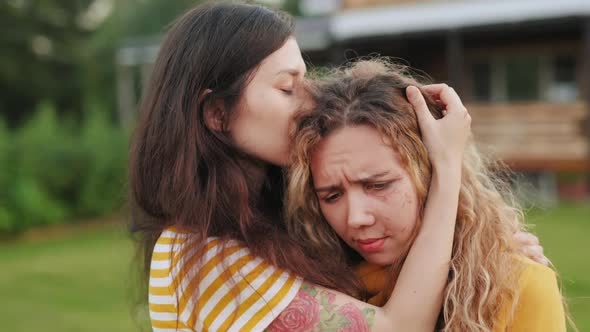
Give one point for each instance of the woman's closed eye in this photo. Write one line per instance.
(287, 91)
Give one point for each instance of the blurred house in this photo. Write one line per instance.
(521, 66)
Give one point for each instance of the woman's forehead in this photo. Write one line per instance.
(358, 148)
(285, 60)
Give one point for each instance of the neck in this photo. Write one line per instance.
(255, 172)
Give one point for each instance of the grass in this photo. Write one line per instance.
(75, 283)
(80, 281)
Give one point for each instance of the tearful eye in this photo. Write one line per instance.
(331, 198)
(378, 186)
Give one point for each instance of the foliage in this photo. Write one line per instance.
(53, 171)
(42, 44)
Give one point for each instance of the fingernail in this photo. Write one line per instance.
(411, 91)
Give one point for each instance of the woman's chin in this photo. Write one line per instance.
(379, 259)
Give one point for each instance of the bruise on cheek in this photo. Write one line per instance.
(389, 194)
(407, 200)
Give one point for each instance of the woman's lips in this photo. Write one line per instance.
(371, 245)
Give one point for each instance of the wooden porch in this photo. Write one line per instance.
(534, 136)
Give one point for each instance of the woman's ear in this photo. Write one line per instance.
(213, 111)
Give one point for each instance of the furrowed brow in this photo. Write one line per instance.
(326, 188)
(372, 177)
(369, 178)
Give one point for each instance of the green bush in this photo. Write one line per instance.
(55, 171)
(103, 181)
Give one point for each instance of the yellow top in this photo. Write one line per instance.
(539, 306)
(236, 290)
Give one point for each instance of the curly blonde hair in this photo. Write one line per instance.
(483, 278)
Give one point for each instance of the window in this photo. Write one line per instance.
(482, 81)
(531, 77)
(522, 78)
(563, 86)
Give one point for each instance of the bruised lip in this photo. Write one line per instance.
(371, 245)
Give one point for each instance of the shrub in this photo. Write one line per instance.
(54, 170)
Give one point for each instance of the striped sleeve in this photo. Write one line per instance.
(217, 287)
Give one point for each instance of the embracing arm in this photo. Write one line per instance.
(418, 294)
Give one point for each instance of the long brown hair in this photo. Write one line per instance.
(183, 174)
(484, 273)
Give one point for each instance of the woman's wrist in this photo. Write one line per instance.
(447, 172)
(448, 164)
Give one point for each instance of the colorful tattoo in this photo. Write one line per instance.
(314, 310)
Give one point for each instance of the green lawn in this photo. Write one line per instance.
(81, 282)
(76, 283)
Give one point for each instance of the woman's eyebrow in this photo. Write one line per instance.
(326, 188)
(369, 178)
(372, 177)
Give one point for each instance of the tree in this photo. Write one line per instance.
(53, 51)
(40, 55)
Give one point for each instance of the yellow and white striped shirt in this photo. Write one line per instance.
(217, 287)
